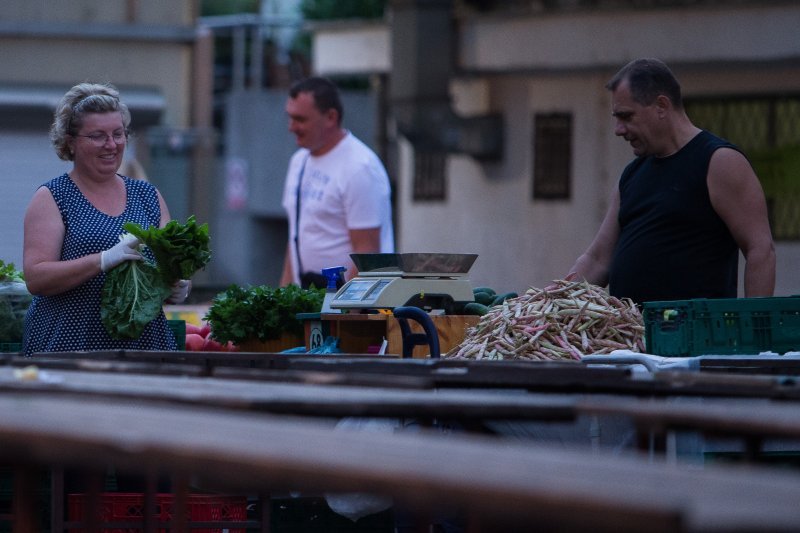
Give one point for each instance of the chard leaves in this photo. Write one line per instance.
(132, 296)
(180, 249)
(134, 292)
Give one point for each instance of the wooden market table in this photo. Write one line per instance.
(493, 485)
(751, 419)
(748, 407)
(389, 371)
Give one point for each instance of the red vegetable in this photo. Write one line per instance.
(210, 345)
(194, 342)
(192, 328)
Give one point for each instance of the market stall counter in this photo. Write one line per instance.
(493, 487)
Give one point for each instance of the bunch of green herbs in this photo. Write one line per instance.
(8, 272)
(240, 314)
(134, 292)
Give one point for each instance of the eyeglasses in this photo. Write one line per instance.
(99, 139)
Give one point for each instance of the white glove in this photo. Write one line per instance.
(180, 291)
(125, 250)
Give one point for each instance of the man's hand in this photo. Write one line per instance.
(125, 250)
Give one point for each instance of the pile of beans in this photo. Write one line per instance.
(563, 321)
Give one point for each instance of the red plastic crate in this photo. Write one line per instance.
(129, 507)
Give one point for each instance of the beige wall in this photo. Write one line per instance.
(489, 210)
(171, 12)
(44, 46)
(150, 65)
(580, 39)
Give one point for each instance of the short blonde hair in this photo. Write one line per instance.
(82, 99)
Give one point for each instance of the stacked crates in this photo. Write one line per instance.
(722, 326)
(129, 508)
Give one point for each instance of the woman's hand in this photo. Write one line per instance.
(180, 291)
(125, 250)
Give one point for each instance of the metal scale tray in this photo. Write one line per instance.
(414, 264)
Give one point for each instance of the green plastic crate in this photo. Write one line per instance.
(722, 326)
(178, 328)
(10, 347)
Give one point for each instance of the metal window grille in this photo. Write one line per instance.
(429, 176)
(767, 128)
(552, 154)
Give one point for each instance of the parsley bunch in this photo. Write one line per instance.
(239, 314)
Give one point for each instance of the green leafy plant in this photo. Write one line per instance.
(180, 249)
(134, 292)
(8, 272)
(239, 314)
(132, 297)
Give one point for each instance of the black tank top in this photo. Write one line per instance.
(672, 244)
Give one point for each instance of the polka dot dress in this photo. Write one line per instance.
(70, 321)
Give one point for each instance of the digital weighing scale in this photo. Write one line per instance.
(426, 280)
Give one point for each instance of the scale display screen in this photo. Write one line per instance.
(376, 290)
(355, 290)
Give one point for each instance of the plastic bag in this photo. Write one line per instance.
(355, 505)
(330, 345)
(14, 302)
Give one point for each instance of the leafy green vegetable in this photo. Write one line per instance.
(132, 296)
(180, 249)
(8, 272)
(134, 292)
(264, 313)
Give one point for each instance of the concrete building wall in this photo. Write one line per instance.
(177, 13)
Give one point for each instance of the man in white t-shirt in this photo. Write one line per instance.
(341, 185)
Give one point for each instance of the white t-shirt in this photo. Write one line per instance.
(346, 188)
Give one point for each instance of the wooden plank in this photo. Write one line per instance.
(784, 365)
(540, 377)
(297, 399)
(497, 484)
(730, 417)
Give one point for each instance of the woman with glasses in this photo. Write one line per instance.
(74, 229)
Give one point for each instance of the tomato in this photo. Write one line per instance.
(205, 330)
(194, 342)
(192, 328)
(210, 345)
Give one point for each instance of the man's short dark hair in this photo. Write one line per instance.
(325, 93)
(647, 79)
